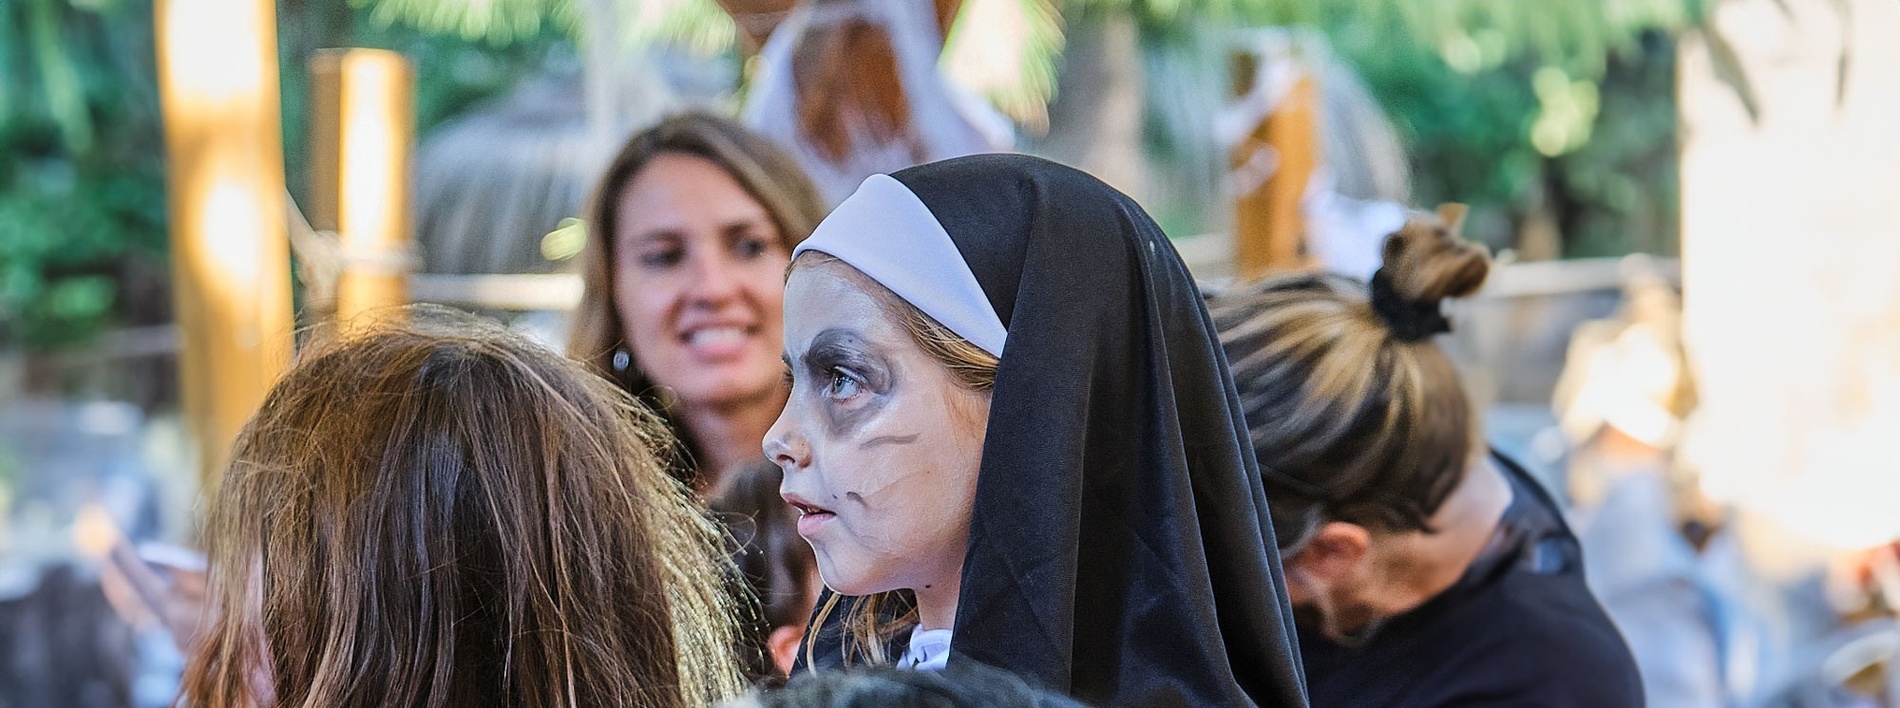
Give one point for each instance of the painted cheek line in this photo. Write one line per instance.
(889, 440)
(863, 498)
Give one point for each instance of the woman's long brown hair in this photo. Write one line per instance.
(761, 168)
(437, 512)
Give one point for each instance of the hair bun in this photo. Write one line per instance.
(1425, 263)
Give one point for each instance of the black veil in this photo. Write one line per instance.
(1120, 548)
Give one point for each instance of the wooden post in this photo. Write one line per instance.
(1269, 229)
(362, 134)
(217, 75)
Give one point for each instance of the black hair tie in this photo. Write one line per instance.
(1410, 320)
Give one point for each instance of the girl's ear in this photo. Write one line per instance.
(783, 646)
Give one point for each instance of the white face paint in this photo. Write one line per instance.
(879, 444)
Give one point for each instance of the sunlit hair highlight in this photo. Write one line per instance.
(1351, 421)
(438, 512)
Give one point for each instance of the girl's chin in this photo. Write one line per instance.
(849, 584)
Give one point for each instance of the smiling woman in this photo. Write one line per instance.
(689, 235)
(998, 465)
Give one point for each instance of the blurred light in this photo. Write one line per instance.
(1462, 54)
(565, 241)
(93, 532)
(1791, 302)
(201, 39)
(375, 116)
(218, 93)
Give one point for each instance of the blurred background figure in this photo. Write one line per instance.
(1621, 402)
(853, 89)
(777, 566)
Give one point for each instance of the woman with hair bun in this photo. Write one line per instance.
(1424, 569)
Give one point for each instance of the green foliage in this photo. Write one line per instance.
(81, 177)
(453, 71)
(82, 182)
(1514, 106)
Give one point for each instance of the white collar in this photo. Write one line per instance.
(929, 650)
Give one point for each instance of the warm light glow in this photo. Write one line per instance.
(228, 236)
(376, 123)
(93, 531)
(211, 50)
(372, 161)
(1791, 293)
(218, 92)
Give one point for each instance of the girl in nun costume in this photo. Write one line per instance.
(1013, 441)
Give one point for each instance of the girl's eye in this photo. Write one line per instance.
(841, 386)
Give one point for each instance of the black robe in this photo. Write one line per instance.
(1120, 549)
(1518, 629)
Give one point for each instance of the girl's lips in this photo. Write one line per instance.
(809, 524)
(811, 517)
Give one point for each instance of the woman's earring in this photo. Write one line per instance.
(623, 360)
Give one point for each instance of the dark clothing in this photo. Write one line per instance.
(1120, 549)
(1519, 629)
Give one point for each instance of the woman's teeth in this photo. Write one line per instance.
(712, 336)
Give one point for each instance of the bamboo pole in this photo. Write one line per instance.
(362, 136)
(1269, 230)
(217, 74)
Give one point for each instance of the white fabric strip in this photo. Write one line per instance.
(887, 233)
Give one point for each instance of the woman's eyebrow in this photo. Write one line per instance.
(665, 233)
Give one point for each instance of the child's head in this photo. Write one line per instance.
(777, 565)
(439, 512)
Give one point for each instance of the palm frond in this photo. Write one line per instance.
(1007, 51)
(497, 22)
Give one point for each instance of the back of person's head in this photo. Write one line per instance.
(777, 566)
(437, 512)
(963, 686)
(1355, 414)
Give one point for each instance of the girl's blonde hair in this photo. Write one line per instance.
(438, 512)
(872, 621)
(1355, 414)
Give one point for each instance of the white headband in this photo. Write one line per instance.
(887, 233)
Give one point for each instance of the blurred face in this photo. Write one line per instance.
(879, 445)
(698, 282)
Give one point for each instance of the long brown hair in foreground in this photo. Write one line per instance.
(761, 168)
(1356, 417)
(437, 512)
